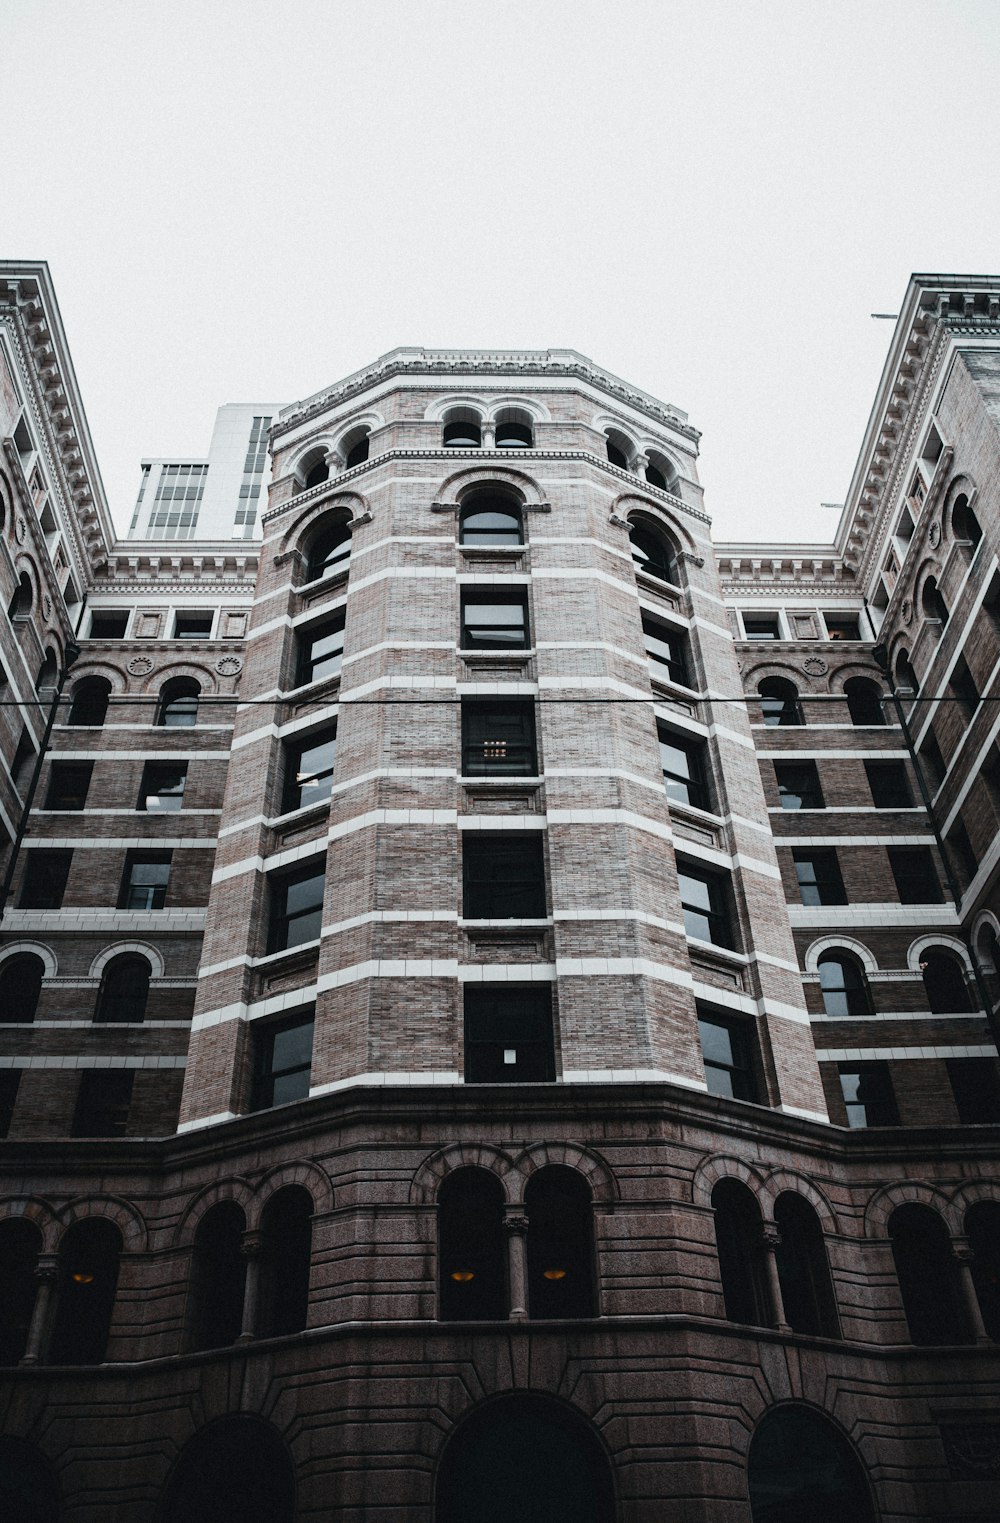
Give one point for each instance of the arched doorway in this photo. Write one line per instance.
(802, 1467)
(237, 1470)
(29, 1491)
(524, 1459)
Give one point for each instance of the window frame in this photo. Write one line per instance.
(193, 617)
(265, 1076)
(279, 884)
(886, 769)
(911, 882)
(742, 1069)
(38, 862)
(719, 914)
(147, 792)
(810, 797)
(829, 887)
(485, 595)
(484, 890)
(879, 1076)
(84, 770)
(531, 1003)
(159, 890)
(306, 661)
(97, 615)
(116, 1102)
(692, 789)
(861, 992)
(755, 619)
(675, 667)
(500, 711)
(295, 781)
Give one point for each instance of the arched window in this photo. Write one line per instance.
(843, 985)
(801, 1467)
(314, 469)
(90, 702)
(218, 1277)
(124, 989)
(652, 552)
(20, 985)
(178, 705)
(88, 1279)
(285, 1258)
(330, 551)
(524, 1458)
(355, 447)
(864, 701)
(462, 429)
(473, 1280)
(739, 1238)
(236, 1470)
(944, 982)
(29, 1490)
(932, 602)
(490, 518)
(982, 1228)
(48, 673)
(965, 525)
(560, 1244)
(20, 1245)
(779, 701)
(20, 604)
(660, 473)
(803, 1269)
(619, 449)
(514, 430)
(988, 956)
(927, 1273)
(906, 677)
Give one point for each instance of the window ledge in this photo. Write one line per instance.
(725, 954)
(515, 927)
(501, 787)
(311, 690)
(304, 813)
(492, 552)
(271, 958)
(323, 584)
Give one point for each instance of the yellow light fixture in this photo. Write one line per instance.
(81, 1277)
(554, 1274)
(463, 1276)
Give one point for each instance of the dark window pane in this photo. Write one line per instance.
(144, 882)
(653, 554)
(667, 652)
(799, 785)
(490, 519)
(843, 626)
(297, 908)
(20, 986)
(494, 620)
(90, 702)
(124, 990)
(762, 626)
(844, 986)
(916, 877)
(283, 1062)
(498, 739)
(683, 769)
(868, 1095)
(508, 1035)
(68, 785)
(975, 1084)
(102, 1104)
(321, 651)
(330, 552)
(193, 626)
(162, 788)
(779, 702)
(819, 877)
(889, 784)
(45, 876)
(726, 1049)
(108, 625)
(704, 902)
(309, 770)
(178, 708)
(504, 876)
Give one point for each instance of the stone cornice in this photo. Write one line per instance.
(136, 566)
(446, 365)
(741, 569)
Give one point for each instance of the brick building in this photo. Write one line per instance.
(497, 993)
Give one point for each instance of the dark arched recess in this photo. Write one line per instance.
(803, 1470)
(236, 1470)
(524, 1459)
(29, 1490)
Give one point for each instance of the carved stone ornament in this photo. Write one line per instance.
(696, 560)
(515, 1225)
(229, 666)
(815, 666)
(140, 666)
(906, 611)
(20, 529)
(47, 605)
(362, 518)
(934, 535)
(619, 522)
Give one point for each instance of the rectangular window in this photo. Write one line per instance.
(843, 626)
(819, 877)
(9, 1082)
(494, 618)
(162, 788)
(508, 1035)
(761, 626)
(683, 763)
(930, 755)
(321, 651)
(889, 784)
(102, 1103)
(296, 906)
(309, 770)
(963, 687)
(975, 1084)
(282, 1061)
(727, 1049)
(108, 624)
(868, 1095)
(916, 876)
(704, 900)
(68, 785)
(504, 876)
(665, 648)
(144, 881)
(44, 882)
(193, 626)
(798, 785)
(498, 739)
(962, 851)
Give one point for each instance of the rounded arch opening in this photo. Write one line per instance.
(313, 469)
(779, 702)
(236, 1470)
(927, 1273)
(944, 982)
(654, 552)
(561, 1280)
(463, 429)
(661, 472)
(807, 1295)
(29, 1488)
(22, 599)
(89, 706)
(906, 677)
(524, 1458)
(982, 1228)
(620, 449)
(285, 1261)
(471, 1259)
(739, 1240)
(864, 701)
(177, 708)
(329, 548)
(124, 989)
(489, 516)
(356, 446)
(48, 672)
(843, 984)
(965, 525)
(514, 429)
(20, 1245)
(801, 1466)
(932, 601)
(20, 987)
(218, 1277)
(88, 1278)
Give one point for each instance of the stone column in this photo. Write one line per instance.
(250, 1251)
(771, 1239)
(46, 1275)
(489, 435)
(962, 1250)
(516, 1228)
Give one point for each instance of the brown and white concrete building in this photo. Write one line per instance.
(497, 991)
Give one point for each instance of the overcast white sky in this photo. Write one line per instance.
(246, 201)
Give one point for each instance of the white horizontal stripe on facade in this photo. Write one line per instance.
(842, 916)
(315, 847)
(403, 1078)
(817, 753)
(611, 650)
(585, 539)
(155, 814)
(392, 817)
(403, 684)
(501, 578)
(723, 732)
(212, 969)
(623, 817)
(105, 919)
(894, 1015)
(587, 683)
(845, 808)
(517, 688)
(870, 840)
(901, 1054)
(75, 1060)
(375, 650)
(157, 755)
(392, 917)
(315, 719)
(214, 1120)
(118, 843)
(589, 772)
(806, 1115)
(507, 973)
(713, 629)
(785, 1012)
(631, 1076)
(389, 967)
(593, 574)
(622, 967)
(639, 917)
(91, 1025)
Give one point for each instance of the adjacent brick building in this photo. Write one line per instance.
(497, 994)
